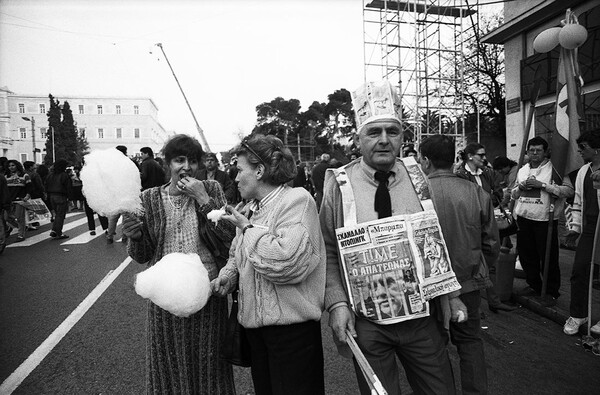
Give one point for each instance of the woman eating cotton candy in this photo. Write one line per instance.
(183, 352)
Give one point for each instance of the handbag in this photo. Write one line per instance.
(217, 247)
(236, 349)
(506, 223)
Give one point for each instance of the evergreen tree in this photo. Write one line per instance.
(54, 117)
(68, 144)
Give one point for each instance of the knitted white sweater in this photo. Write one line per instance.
(280, 263)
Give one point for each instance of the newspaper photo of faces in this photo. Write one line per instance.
(392, 294)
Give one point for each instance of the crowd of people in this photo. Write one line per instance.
(284, 261)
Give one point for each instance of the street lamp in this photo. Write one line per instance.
(32, 120)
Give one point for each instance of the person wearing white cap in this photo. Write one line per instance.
(380, 187)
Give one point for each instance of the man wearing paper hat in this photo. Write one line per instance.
(376, 187)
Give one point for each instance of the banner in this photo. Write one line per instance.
(392, 266)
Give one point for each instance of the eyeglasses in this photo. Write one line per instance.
(481, 154)
(245, 145)
(583, 146)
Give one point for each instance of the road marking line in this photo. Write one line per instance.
(45, 236)
(85, 237)
(25, 369)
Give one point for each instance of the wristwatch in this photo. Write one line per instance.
(247, 227)
(544, 185)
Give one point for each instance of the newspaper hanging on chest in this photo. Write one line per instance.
(393, 266)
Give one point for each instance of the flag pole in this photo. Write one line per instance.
(535, 92)
(545, 299)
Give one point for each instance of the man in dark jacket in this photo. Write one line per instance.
(151, 172)
(212, 172)
(466, 217)
(58, 188)
(37, 189)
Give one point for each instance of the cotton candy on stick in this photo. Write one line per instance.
(177, 283)
(111, 183)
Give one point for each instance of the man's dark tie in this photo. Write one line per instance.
(383, 203)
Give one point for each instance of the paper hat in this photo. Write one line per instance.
(375, 101)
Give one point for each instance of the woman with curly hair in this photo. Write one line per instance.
(183, 353)
(278, 260)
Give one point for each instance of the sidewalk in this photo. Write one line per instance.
(560, 312)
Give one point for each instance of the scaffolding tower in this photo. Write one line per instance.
(418, 46)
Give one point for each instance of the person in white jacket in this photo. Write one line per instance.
(534, 193)
(583, 226)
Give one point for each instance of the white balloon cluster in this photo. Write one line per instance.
(570, 36)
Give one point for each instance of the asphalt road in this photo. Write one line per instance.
(103, 352)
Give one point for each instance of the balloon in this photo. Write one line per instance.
(546, 40)
(572, 35)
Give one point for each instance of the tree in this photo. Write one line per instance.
(278, 117)
(341, 116)
(483, 85)
(68, 143)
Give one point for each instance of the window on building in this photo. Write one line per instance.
(100, 133)
(43, 133)
(119, 133)
(82, 132)
(118, 109)
(81, 111)
(42, 108)
(23, 158)
(99, 109)
(21, 108)
(136, 110)
(136, 133)
(23, 133)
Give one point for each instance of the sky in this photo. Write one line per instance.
(228, 55)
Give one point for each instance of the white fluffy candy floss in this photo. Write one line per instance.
(111, 183)
(215, 215)
(177, 283)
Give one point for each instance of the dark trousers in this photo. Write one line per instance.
(89, 213)
(531, 243)
(418, 344)
(60, 205)
(287, 359)
(466, 336)
(580, 276)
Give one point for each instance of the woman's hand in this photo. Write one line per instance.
(132, 227)
(194, 188)
(220, 285)
(234, 216)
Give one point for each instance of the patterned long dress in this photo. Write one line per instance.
(183, 354)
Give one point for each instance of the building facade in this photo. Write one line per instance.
(104, 121)
(523, 21)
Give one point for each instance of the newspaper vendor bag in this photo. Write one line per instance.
(236, 349)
